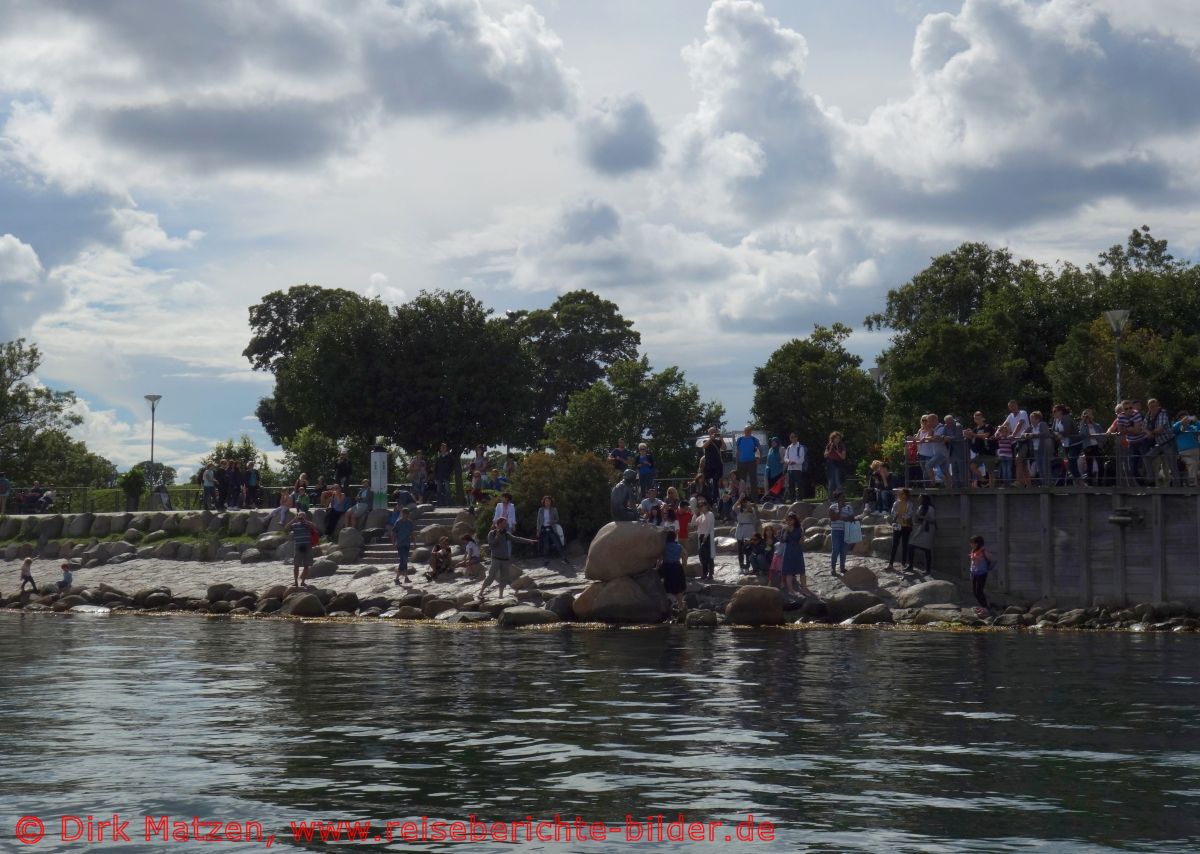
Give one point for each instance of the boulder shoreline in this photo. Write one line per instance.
(224, 581)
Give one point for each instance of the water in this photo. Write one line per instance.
(844, 740)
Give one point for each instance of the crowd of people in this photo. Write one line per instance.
(34, 499)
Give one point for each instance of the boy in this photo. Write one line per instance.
(67, 577)
(303, 532)
(400, 530)
(500, 541)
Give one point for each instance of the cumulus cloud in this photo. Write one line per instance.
(24, 291)
(115, 92)
(620, 137)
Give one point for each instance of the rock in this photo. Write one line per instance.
(496, 607)
(1072, 618)
(562, 604)
(623, 549)
(875, 614)
(936, 614)
(1008, 620)
(858, 577)
(814, 542)
(270, 542)
(101, 525)
(67, 602)
(843, 606)
(928, 593)
(167, 550)
(430, 534)
(256, 523)
(753, 605)
(154, 537)
(621, 600)
(221, 607)
(303, 605)
(347, 601)
(157, 599)
(700, 618)
(236, 524)
(194, 523)
(350, 543)
(49, 528)
(251, 556)
(132, 535)
(322, 568)
(435, 606)
(50, 551)
(368, 571)
(526, 615)
(522, 582)
(470, 617)
(408, 612)
(217, 592)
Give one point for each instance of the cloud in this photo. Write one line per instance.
(377, 286)
(24, 291)
(620, 137)
(113, 94)
(127, 441)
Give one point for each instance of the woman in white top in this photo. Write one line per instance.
(705, 523)
(506, 508)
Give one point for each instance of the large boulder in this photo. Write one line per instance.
(436, 606)
(623, 549)
(872, 616)
(10, 525)
(753, 605)
(195, 523)
(256, 523)
(101, 525)
(858, 577)
(49, 527)
(563, 604)
(302, 605)
(843, 606)
(347, 601)
(237, 524)
(251, 556)
(377, 518)
(928, 593)
(430, 534)
(270, 542)
(527, 615)
(350, 543)
(701, 618)
(621, 600)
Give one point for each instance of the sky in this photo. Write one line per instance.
(730, 173)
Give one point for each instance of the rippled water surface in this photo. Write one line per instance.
(844, 740)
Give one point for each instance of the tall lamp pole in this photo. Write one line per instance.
(153, 400)
(1118, 319)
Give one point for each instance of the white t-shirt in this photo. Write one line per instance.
(510, 513)
(1018, 423)
(795, 456)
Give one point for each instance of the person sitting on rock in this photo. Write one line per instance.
(439, 559)
(471, 564)
(500, 541)
(67, 577)
(623, 501)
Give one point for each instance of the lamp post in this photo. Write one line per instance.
(1118, 319)
(153, 400)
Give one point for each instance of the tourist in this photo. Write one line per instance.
(1130, 426)
(901, 517)
(620, 457)
(500, 540)
(304, 534)
(672, 497)
(342, 471)
(27, 575)
(712, 464)
(840, 513)
(208, 486)
(737, 488)
(645, 468)
(300, 497)
(835, 462)
(650, 502)
(1005, 456)
(285, 504)
(670, 568)
(927, 449)
(443, 471)
(480, 459)
(1017, 422)
(6, 489)
(474, 487)
(955, 447)
(400, 530)
(440, 559)
(653, 516)
(1092, 468)
(234, 481)
(748, 451)
(683, 518)
(472, 561)
(705, 545)
(550, 532)
(697, 488)
(924, 527)
(418, 473)
(252, 484)
(335, 509)
(1160, 459)
(1041, 448)
(881, 482)
(775, 567)
(763, 551)
(724, 506)
(1187, 432)
(670, 518)
(357, 517)
(795, 458)
(775, 465)
(507, 510)
(793, 557)
(67, 577)
(748, 525)
(1067, 435)
(982, 444)
(981, 565)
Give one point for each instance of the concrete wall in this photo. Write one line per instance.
(1067, 544)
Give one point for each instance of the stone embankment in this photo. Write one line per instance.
(239, 564)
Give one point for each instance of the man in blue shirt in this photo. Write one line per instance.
(620, 456)
(749, 452)
(400, 530)
(1187, 443)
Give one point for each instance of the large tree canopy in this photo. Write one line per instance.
(813, 386)
(27, 410)
(634, 403)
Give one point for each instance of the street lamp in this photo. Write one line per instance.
(1118, 319)
(877, 374)
(153, 399)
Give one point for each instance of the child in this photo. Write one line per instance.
(981, 565)
(775, 570)
(400, 530)
(472, 562)
(67, 577)
(27, 575)
(1004, 454)
(724, 506)
(670, 568)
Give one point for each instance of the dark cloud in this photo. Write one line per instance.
(620, 137)
(589, 220)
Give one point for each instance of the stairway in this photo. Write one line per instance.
(379, 550)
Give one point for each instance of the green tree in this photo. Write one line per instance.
(569, 345)
(578, 481)
(813, 386)
(52, 456)
(633, 402)
(244, 451)
(309, 452)
(27, 408)
(155, 471)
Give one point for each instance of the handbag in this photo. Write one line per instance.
(314, 537)
(853, 533)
